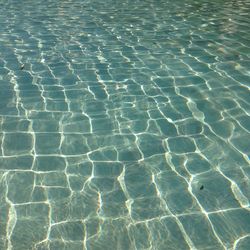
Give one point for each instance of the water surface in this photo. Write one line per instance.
(124, 125)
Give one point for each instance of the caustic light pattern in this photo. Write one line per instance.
(124, 125)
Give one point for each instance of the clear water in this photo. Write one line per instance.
(124, 125)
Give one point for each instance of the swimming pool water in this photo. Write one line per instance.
(124, 124)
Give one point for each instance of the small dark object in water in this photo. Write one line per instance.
(22, 67)
(201, 187)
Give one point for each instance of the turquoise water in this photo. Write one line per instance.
(124, 125)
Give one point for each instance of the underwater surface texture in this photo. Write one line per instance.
(124, 125)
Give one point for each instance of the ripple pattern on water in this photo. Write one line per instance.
(124, 125)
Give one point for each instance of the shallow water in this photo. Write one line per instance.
(124, 125)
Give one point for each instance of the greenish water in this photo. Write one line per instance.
(124, 125)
